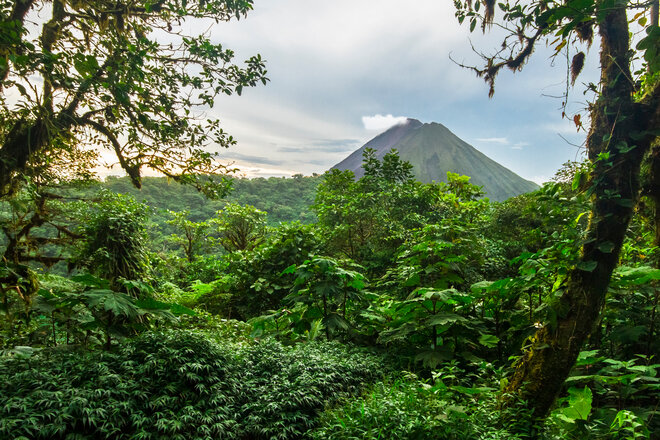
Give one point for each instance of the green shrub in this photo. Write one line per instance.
(253, 282)
(178, 385)
(389, 411)
(216, 328)
(412, 409)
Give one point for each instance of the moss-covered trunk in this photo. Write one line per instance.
(616, 145)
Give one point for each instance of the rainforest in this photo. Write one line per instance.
(168, 298)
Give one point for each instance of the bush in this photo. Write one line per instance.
(178, 385)
(254, 283)
(412, 409)
(389, 411)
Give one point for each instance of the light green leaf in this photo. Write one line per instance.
(579, 404)
(489, 341)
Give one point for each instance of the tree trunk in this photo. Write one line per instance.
(616, 144)
(24, 139)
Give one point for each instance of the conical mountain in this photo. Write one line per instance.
(433, 150)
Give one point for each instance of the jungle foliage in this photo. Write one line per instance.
(421, 309)
(170, 385)
(451, 286)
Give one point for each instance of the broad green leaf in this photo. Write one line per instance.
(444, 319)
(489, 341)
(579, 404)
(91, 281)
(587, 266)
(606, 247)
(637, 275)
(433, 358)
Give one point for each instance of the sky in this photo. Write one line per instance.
(343, 71)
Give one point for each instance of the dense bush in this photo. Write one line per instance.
(254, 282)
(411, 409)
(115, 241)
(397, 411)
(178, 385)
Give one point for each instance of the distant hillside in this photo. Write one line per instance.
(433, 150)
(284, 199)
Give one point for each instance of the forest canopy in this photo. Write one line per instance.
(116, 76)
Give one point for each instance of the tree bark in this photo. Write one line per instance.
(617, 142)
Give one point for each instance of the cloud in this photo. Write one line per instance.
(334, 145)
(324, 146)
(382, 122)
(321, 162)
(494, 140)
(250, 158)
(562, 127)
(292, 149)
(252, 171)
(519, 145)
(387, 61)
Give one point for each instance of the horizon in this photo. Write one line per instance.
(386, 122)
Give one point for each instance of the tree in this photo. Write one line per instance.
(327, 290)
(121, 75)
(38, 225)
(191, 236)
(240, 227)
(624, 118)
(366, 220)
(115, 239)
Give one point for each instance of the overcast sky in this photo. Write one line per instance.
(342, 71)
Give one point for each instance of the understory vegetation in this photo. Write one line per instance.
(400, 313)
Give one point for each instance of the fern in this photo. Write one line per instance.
(179, 384)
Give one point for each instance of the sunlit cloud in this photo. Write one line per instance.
(250, 171)
(382, 122)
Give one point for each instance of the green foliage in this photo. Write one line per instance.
(284, 199)
(409, 408)
(456, 282)
(38, 223)
(528, 223)
(77, 311)
(578, 405)
(401, 410)
(461, 187)
(366, 220)
(631, 312)
(253, 282)
(192, 237)
(178, 385)
(325, 295)
(240, 227)
(626, 426)
(106, 80)
(171, 293)
(431, 321)
(215, 328)
(436, 256)
(115, 240)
